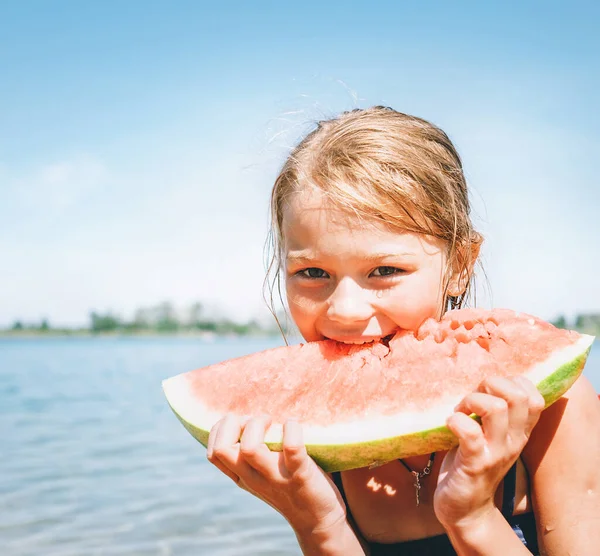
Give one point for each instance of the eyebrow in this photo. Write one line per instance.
(303, 257)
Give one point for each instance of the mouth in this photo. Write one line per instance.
(385, 340)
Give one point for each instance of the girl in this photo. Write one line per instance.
(372, 230)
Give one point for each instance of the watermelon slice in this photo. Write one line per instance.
(362, 405)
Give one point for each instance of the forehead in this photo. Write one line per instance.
(312, 224)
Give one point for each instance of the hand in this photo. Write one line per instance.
(509, 408)
(289, 481)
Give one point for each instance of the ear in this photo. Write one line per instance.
(462, 266)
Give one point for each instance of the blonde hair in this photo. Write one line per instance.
(382, 164)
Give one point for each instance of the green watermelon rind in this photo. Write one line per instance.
(352, 455)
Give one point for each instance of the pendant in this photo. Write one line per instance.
(417, 486)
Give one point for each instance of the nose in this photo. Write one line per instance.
(349, 303)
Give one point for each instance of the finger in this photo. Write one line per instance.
(212, 435)
(535, 401)
(493, 412)
(226, 449)
(225, 470)
(516, 398)
(215, 460)
(252, 445)
(295, 456)
(469, 433)
(226, 443)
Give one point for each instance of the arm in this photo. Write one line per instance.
(487, 535)
(509, 409)
(289, 481)
(561, 450)
(563, 461)
(338, 539)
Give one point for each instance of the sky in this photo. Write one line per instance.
(139, 141)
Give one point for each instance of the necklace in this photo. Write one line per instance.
(418, 475)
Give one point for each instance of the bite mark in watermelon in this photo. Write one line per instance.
(367, 404)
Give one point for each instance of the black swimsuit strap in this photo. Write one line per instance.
(337, 479)
(509, 491)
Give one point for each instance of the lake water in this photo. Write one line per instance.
(94, 462)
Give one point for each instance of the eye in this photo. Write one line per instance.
(386, 271)
(313, 273)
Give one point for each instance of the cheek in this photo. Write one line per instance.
(304, 309)
(411, 314)
(305, 320)
(415, 302)
(306, 299)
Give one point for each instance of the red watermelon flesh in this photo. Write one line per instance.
(328, 381)
(410, 383)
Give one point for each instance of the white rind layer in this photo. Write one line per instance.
(190, 409)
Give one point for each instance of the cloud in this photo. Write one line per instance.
(52, 189)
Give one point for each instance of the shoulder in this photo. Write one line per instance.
(562, 458)
(570, 425)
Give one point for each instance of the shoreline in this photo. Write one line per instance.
(206, 336)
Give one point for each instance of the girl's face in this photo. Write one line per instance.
(354, 280)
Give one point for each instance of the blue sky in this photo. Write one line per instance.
(139, 140)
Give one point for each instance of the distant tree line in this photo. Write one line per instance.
(161, 318)
(588, 323)
(165, 318)
(43, 326)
